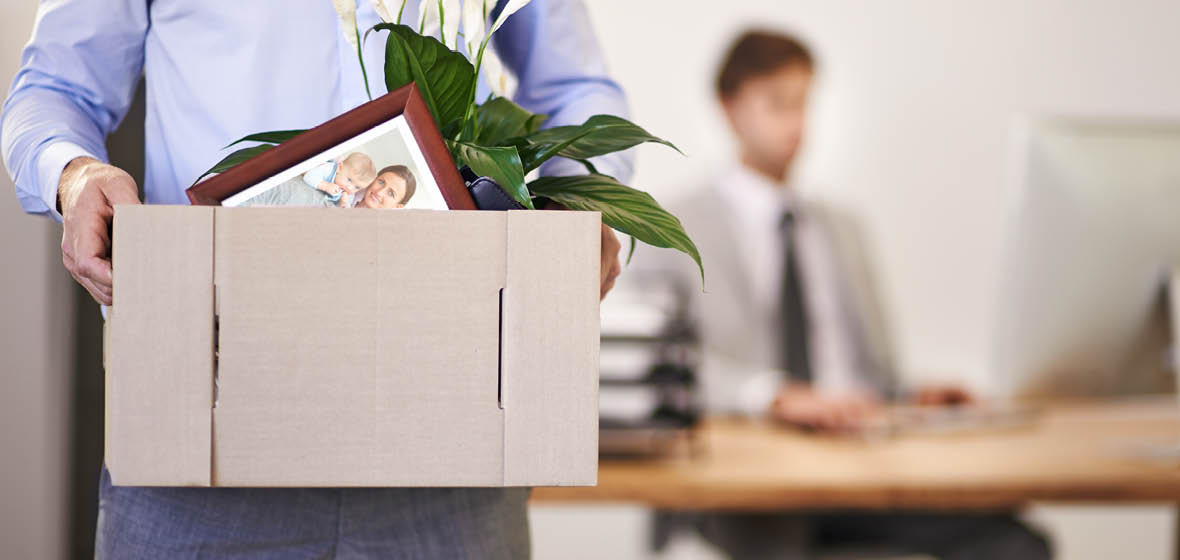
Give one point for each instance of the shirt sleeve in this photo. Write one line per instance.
(319, 174)
(551, 47)
(75, 83)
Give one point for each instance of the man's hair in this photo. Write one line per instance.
(759, 53)
(406, 175)
(361, 165)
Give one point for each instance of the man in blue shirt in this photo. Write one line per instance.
(216, 70)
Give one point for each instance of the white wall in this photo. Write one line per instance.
(910, 123)
(910, 126)
(909, 129)
(36, 346)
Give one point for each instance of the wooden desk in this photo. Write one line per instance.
(1071, 453)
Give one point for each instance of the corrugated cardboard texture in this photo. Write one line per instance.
(160, 360)
(551, 342)
(361, 347)
(405, 394)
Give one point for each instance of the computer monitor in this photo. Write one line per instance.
(1094, 236)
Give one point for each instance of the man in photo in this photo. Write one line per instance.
(791, 329)
(344, 176)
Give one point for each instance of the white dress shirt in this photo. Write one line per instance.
(755, 207)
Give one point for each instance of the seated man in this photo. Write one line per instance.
(789, 329)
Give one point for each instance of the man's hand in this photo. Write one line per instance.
(610, 260)
(942, 395)
(799, 405)
(88, 192)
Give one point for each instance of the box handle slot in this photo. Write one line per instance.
(500, 354)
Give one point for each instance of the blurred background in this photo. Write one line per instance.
(919, 128)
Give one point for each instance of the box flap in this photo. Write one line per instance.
(550, 348)
(160, 347)
(407, 396)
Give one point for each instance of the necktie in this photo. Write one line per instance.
(793, 309)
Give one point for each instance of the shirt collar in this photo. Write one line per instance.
(753, 196)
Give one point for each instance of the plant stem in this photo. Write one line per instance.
(470, 112)
(360, 55)
(442, 24)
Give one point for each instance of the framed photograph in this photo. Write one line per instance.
(387, 153)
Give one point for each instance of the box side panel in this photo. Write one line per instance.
(160, 347)
(294, 400)
(439, 419)
(550, 348)
(357, 348)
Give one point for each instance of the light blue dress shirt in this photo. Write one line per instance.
(217, 70)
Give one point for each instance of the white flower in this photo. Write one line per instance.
(475, 21)
(383, 10)
(428, 17)
(502, 82)
(510, 8)
(346, 9)
(450, 23)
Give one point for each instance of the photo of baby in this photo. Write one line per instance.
(378, 169)
(346, 176)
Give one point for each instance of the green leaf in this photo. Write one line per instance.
(273, 137)
(444, 77)
(500, 120)
(589, 166)
(450, 129)
(623, 208)
(599, 135)
(502, 164)
(234, 159)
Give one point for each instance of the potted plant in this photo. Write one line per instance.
(499, 139)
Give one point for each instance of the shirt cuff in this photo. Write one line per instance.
(50, 164)
(758, 391)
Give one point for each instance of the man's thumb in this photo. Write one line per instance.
(122, 192)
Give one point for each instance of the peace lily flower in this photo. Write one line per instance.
(499, 79)
(346, 9)
(433, 20)
(450, 26)
(475, 18)
(383, 12)
(510, 8)
(428, 17)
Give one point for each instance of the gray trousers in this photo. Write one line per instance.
(948, 536)
(137, 523)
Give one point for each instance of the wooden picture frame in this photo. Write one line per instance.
(315, 143)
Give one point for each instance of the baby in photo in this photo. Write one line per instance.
(336, 178)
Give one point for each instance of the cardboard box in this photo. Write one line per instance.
(324, 347)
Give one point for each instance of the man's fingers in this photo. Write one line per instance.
(102, 294)
(610, 272)
(89, 191)
(121, 192)
(607, 287)
(97, 270)
(99, 295)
